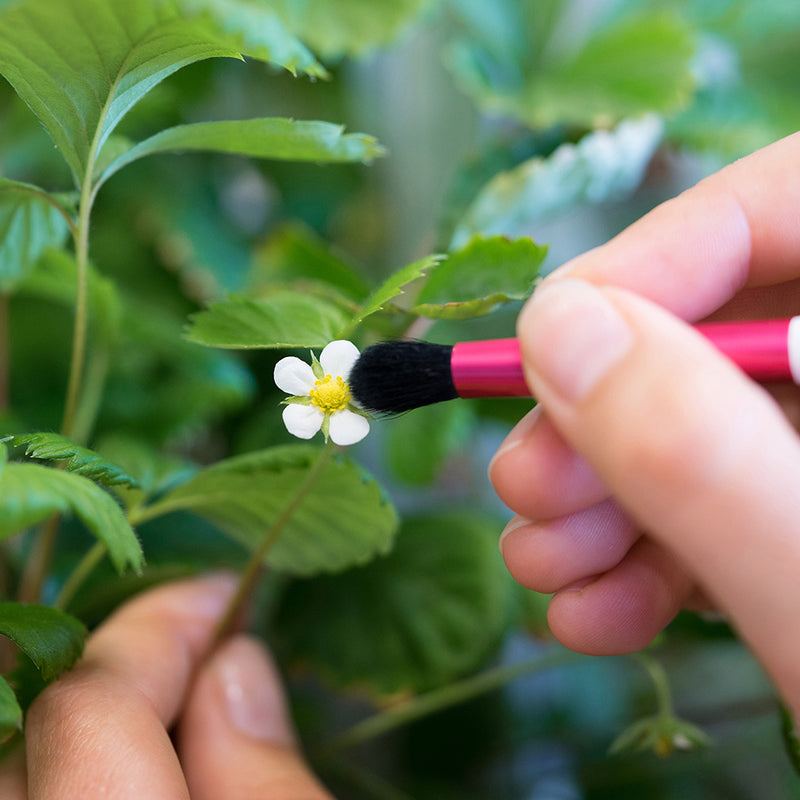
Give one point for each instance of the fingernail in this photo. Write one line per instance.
(571, 336)
(513, 525)
(252, 691)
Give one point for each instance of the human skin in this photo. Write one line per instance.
(144, 715)
(653, 473)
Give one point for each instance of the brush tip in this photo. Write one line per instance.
(393, 377)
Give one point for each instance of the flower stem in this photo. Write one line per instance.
(658, 676)
(81, 572)
(252, 571)
(440, 699)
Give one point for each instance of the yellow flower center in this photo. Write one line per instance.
(330, 394)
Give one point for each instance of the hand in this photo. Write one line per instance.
(652, 465)
(103, 730)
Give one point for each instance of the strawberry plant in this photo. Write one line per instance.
(186, 200)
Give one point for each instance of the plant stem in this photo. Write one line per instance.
(658, 676)
(81, 305)
(5, 354)
(38, 565)
(92, 395)
(252, 570)
(81, 572)
(440, 699)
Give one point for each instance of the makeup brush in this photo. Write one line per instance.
(397, 376)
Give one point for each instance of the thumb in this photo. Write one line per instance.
(697, 454)
(235, 739)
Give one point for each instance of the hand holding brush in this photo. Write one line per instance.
(654, 474)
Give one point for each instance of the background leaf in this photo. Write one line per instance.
(10, 711)
(256, 30)
(29, 224)
(55, 278)
(271, 137)
(344, 520)
(417, 618)
(603, 165)
(77, 459)
(294, 253)
(279, 320)
(347, 27)
(52, 639)
(30, 493)
(419, 445)
(482, 276)
(82, 64)
(548, 70)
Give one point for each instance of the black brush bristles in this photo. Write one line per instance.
(392, 377)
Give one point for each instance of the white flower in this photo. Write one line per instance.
(320, 395)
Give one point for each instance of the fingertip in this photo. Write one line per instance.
(551, 555)
(538, 475)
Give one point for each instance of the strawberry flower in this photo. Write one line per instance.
(320, 395)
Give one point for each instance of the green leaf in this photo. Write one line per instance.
(426, 614)
(638, 64)
(393, 286)
(482, 276)
(55, 278)
(791, 742)
(344, 520)
(30, 493)
(270, 137)
(31, 220)
(295, 253)
(52, 639)
(82, 64)
(255, 29)
(552, 72)
(347, 27)
(279, 320)
(10, 711)
(74, 458)
(602, 166)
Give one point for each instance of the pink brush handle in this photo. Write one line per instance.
(766, 350)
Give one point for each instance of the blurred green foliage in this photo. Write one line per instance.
(248, 221)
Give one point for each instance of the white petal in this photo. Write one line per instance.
(294, 376)
(302, 421)
(347, 427)
(338, 358)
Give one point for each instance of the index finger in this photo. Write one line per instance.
(737, 228)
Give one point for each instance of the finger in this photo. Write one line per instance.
(105, 723)
(700, 456)
(761, 302)
(557, 481)
(548, 556)
(624, 609)
(235, 738)
(693, 253)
